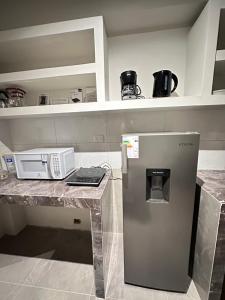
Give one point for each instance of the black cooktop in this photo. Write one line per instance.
(86, 176)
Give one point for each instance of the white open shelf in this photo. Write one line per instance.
(69, 48)
(55, 56)
(51, 78)
(172, 103)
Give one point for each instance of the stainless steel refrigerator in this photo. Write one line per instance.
(159, 175)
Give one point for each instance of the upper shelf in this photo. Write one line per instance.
(51, 78)
(114, 106)
(55, 56)
(49, 51)
(49, 45)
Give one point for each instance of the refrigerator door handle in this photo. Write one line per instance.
(124, 159)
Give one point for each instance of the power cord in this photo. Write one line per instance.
(106, 165)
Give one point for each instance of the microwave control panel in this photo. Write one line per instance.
(55, 165)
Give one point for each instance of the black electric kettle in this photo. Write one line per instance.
(163, 83)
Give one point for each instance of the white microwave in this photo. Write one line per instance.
(45, 163)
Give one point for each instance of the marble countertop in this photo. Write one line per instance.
(213, 181)
(57, 193)
(51, 193)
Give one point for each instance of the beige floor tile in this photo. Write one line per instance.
(7, 291)
(63, 276)
(16, 292)
(192, 292)
(16, 269)
(134, 293)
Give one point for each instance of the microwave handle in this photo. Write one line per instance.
(50, 166)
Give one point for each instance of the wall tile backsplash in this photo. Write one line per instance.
(79, 129)
(210, 123)
(32, 131)
(102, 132)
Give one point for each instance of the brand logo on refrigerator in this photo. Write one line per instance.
(185, 144)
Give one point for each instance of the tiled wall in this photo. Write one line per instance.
(102, 132)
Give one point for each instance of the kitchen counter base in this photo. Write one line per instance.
(58, 194)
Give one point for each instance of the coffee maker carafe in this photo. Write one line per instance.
(163, 83)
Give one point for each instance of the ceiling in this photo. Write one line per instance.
(121, 16)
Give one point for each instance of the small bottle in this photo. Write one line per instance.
(10, 163)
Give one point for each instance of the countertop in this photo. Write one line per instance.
(213, 181)
(57, 193)
(51, 193)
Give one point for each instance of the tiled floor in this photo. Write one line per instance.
(24, 278)
(116, 288)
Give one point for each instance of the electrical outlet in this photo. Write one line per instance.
(76, 221)
(98, 138)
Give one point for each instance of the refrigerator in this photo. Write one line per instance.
(159, 180)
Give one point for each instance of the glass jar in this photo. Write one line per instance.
(15, 102)
(16, 96)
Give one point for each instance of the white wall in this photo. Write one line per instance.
(13, 218)
(5, 141)
(4, 134)
(58, 217)
(147, 53)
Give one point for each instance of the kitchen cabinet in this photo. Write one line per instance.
(55, 57)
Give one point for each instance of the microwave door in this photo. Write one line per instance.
(32, 166)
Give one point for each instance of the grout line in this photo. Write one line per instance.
(44, 288)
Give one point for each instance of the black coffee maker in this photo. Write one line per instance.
(163, 83)
(129, 87)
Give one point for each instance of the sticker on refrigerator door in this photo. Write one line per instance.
(132, 142)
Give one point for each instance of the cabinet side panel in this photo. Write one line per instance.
(201, 51)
